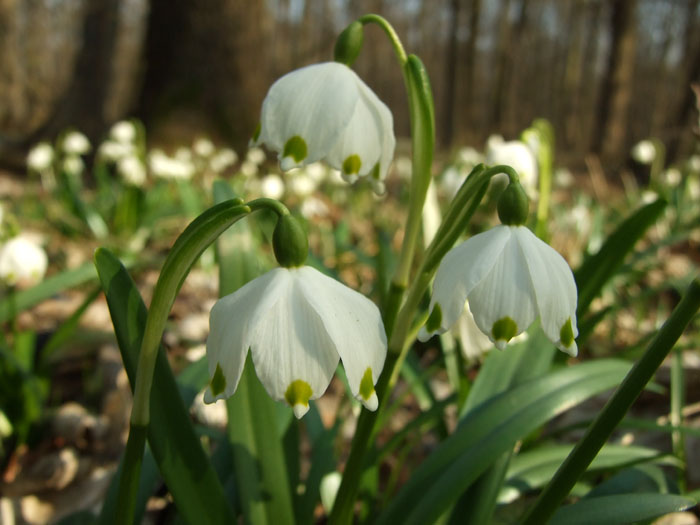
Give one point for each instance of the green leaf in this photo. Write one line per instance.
(49, 287)
(620, 509)
(601, 267)
(176, 448)
(532, 469)
(492, 429)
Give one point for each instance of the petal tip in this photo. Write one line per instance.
(300, 409)
(371, 403)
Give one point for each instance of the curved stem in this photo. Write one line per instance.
(393, 37)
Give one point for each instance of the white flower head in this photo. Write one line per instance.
(22, 262)
(75, 143)
(73, 165)
(167, 167)
(40, 157)
(256, 156)
(326, 112)
(297, 324)
(113, 151)
(517, 155)
(644, 152)
(123, 131)
(203, 147)
(223, 159)
(132, 170)
(510, 277)
(301, 185)
(272, 186)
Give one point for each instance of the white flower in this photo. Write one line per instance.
(694, 163)
(509, 277)
(326, 112)
(644, 152)
(169, 168)
(301, 184)
(272, 186)
(474, 342)
(224, 158)
(672, 176)
(22, 262)
(249, 168)
(132, 170)
(40, 157)
(112, 150)
(469, 157)
(313, 207)
(73, 165)
(123, 131)
(297, 323)
(203, 147)
(75, 143)
(316, 171)
(518, 156)
(256, 156)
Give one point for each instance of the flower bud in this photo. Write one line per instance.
(513, 205)
(289, 242)
(349, 44)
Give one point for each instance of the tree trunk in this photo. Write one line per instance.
(470, 61)
(611, 126)
(448, 108)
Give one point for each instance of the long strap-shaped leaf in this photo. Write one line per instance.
(489, 431)
(182, 462)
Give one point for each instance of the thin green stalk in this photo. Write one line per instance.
(129, 479)
(677, 403)
(615, 409)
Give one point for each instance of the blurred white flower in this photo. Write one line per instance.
(112, 151)
(165, 167)
(183, 154)
(672, 176)
(404, 167)
(300, 184)
(326, 112)
(223, 159)
(644, 152)
(450, 181)
(649, 196)
(510, 277)
(272, 186)
(297, 323)
(23, 262)
(317, 171)
(693, 186)
(256, 156)
(40, 157)
(313, 207)
(469, 156)
(518, 156)
(132, 170)
(563, 178)
(694, 163)
(248, 168)
(73, 165)
(431, 215)
(75, 143)
(203, 147)
(473, 341)
(123, 131)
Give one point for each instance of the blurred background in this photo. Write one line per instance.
(606, 73)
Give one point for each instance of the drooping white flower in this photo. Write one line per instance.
(123, 131)
(510, 277)
(297, 324)
(75, 143)
(22, 262)
(272, 186)
(40, 157)
(326, 112)
(73, 165)
(132, 170)
(517, 155)
(113, 151)
(300, 184)
(644, 152)
(256, 156)
(167, 167)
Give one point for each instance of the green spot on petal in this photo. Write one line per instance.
(504, 329)
(352, 165)
(433, 322)
(367, 385)
(256, 133)
(566, 334)
(298, 393)
(375, 173)
(295, 148)
(218, 382)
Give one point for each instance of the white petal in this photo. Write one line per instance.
(387, 126)
(232, 321)
(553, 284)
(505, 292)
(462, 269)
(291, 344)
(315, 103)
(353, 323)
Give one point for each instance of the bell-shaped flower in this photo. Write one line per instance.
(510, 277)
(326, 112)
(297, 324)
(516, 154)
(22, 262)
